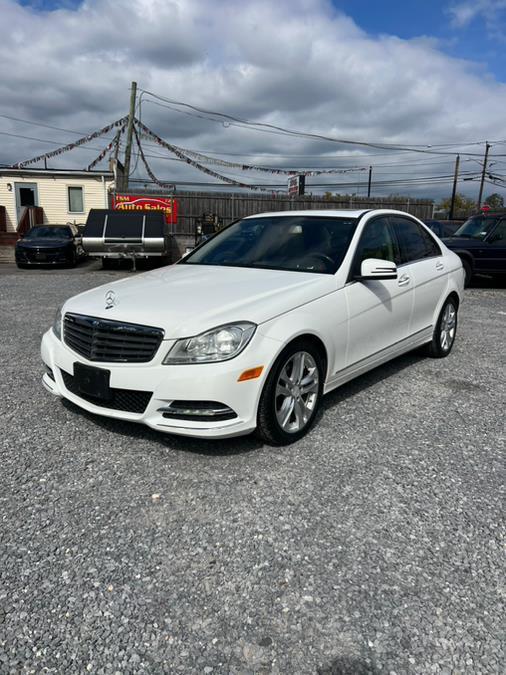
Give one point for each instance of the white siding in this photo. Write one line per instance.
(53, 197)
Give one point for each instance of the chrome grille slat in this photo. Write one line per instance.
(106, 340)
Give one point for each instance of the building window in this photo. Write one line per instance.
(76, 202)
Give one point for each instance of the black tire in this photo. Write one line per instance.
(269, 429)
(468, 272)
(20, 266)
(107, 263)
(438, 348)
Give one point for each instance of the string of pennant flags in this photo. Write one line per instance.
(113, 144)
(147, 133)
(146, 165)
(193, 158)
(71, 146)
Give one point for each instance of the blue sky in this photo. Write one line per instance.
(460, 28)
(429, 74)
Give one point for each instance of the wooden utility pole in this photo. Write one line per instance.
(130, 129)
(369, 182)
(454, 191)
(483, 174)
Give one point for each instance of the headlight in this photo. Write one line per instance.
(219, 344)
(57, 323)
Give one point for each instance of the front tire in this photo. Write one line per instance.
(468, 272)
(445, 331)
(291, 394)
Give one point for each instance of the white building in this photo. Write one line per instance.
(64, 195)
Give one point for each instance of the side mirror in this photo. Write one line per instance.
(374, 268)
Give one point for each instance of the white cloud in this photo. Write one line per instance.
(297, 63)
(491, 11)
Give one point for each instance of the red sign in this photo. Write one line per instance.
(144, 203)
(485, 208)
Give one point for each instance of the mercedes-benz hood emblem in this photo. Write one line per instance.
(110, 299)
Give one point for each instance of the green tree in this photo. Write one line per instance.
(495, 201)
(462, 203)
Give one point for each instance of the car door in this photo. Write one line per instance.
(493, 258)
(420, 250)
(379, 310)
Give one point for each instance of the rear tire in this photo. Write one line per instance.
(291, 395)
(445, 331)
(468, 272)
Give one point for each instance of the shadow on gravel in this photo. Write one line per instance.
(348, 665)
(241, 444)
(369, 379)
(201, 446)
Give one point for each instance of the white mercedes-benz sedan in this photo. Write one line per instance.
(250, 329)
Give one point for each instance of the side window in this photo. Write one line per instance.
(75, 199)
(498, 237)
(414, 241)
(376, 242)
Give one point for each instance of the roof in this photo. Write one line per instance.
(341, 213)
(79, 173)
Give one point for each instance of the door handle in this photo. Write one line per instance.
(439, 266)
(403, 280)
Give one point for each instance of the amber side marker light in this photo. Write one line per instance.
(250, 374)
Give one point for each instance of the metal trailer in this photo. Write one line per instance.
(115, 235)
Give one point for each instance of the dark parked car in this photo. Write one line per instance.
(50, 245)
(442, 228)
(481, 244)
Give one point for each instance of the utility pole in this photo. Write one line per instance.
(369, 182)
(454, 191)
(130, 128)
(483, 173)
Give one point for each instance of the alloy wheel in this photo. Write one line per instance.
(448, 327)
(296, 392)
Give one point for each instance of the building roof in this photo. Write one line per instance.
(48, 173)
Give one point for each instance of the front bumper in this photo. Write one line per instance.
(49, 257)
(209, 382)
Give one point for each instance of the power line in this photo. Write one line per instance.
(272, 128)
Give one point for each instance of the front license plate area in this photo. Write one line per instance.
(92, 381)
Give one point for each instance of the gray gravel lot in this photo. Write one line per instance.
(374, 545)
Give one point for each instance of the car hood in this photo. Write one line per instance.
(461, 242)
(186, 300)
(44, 243)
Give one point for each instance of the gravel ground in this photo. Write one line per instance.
(374, 545)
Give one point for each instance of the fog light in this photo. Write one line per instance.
(200, 411)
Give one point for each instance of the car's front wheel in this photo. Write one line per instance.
(445, 330)
(291, 394)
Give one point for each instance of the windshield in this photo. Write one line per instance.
(476, 227)
(297, 243)
(48, 232)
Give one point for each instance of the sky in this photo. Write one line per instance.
(429, 75)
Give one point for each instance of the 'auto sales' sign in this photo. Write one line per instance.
(168, 205)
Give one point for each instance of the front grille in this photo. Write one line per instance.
(128, 400)
(105, 340)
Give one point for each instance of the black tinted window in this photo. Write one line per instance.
(376, 242)
(414, 241)
(50, 232)
(498, 237)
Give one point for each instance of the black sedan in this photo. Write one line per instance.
(481, 244)
(50, 245)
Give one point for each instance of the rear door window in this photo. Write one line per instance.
(415, 242)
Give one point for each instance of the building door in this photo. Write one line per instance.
(26, 195)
